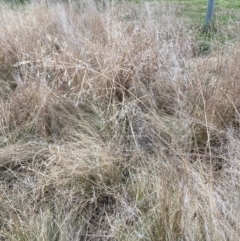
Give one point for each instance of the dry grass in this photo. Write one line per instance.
(114, 127)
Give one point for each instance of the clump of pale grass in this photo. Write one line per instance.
(112, 127)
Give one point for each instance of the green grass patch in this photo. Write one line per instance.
(224, 25)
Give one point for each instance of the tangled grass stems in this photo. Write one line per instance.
(113, 126)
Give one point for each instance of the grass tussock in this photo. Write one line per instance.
(114, 126)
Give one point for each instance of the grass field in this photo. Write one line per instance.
(119, 122)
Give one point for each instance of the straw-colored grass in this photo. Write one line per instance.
(114, 126)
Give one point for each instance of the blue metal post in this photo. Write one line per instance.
(210, 11)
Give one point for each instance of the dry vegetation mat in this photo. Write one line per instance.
(114, 126)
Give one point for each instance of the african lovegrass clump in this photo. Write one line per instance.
(113, 126)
